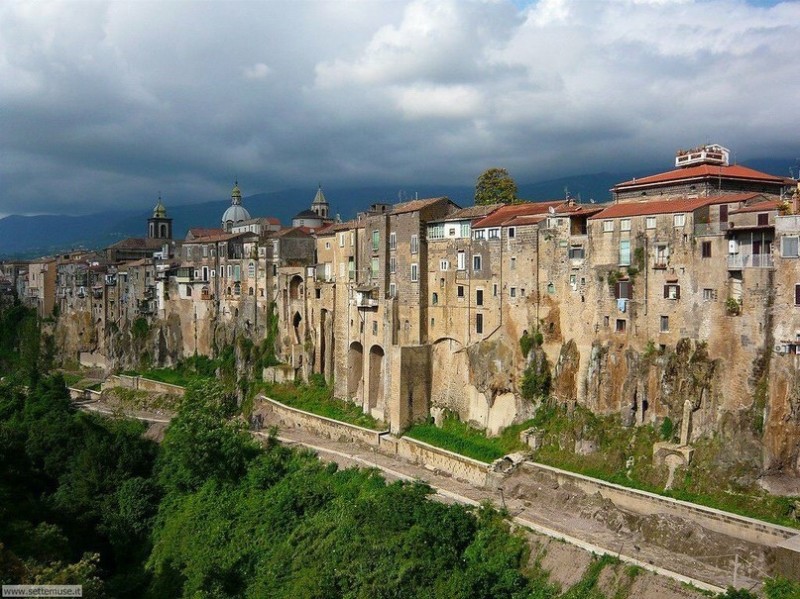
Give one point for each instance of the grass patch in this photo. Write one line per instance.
(196, 368)
(71, 379)
(461, 438)
(317, 398)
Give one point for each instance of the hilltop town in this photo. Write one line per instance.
(680, 299)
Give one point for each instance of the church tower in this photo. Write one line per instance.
(158, 225)
(320, 205)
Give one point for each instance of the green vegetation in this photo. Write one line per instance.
(193, 369)
(495, 186)
(317, 398)
(461, 438)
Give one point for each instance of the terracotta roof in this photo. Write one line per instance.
(415, 205)
(471, 212)
(286, 230)
(701, 171)
(220, 235)
(505, 213)
(625, 209)
(764, 206)
(204, 232)
(529, 219)
(137, 243)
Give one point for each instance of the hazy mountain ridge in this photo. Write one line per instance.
(32, 236)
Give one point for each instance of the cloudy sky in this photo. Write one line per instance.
(103, 104)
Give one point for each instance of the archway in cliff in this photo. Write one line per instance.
(355, 368)
(296, 326)
(376, 355)
(296, 287)
(451, 374)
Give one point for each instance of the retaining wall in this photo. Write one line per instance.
(642, 502)
(282, 415)
(447, 462)
(142, 384)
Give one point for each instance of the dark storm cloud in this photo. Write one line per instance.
(105, 104)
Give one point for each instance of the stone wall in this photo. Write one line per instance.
(142, 384)
(276, 413)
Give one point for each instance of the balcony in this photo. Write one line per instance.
(740, 261)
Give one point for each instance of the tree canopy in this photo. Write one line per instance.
(495, 186)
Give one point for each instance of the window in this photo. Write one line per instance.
(479, 297)
(414, 272)
(205, 273)
(318, 292)
(664, 324)
(662, 255)
(327, 245)
(679, 220)
(494, 290)
(435, 231)
(622, 290)
(374, 327)
(476, 262)
(625, 224)
(513, 292)
(479, 234)
(251, 270)
(376, 240)
(577, 253)
(705, 249)
(797, 295)
(672, 291)
(513, 263)
(650, 222)
(709, 295)
(441, 282)
(392, 265)
(789, 247)
(188, 291)
(414, 244)
(444, 265)
(230, 271)
(479, 323)
(451, 232)
(512, 232)
(608, 226)
(460, 292)
(435, 298)
(620, 327)
(392, 290)
(462, 261)
(624, 252)
(465, 229)
(341, 240)
(494, 233)
(374, 268)
(763, 219)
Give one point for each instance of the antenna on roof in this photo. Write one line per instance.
(551, 209)
(591, 200)
(566, 192)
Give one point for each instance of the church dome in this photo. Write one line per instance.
(235, 214)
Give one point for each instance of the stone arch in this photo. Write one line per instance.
(296, 320)
(296, 287)
(376, 355)
(355, 368)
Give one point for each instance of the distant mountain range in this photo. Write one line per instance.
(32, 236)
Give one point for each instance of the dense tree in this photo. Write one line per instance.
(495, 186)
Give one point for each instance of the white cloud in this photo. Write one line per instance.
(380, 92)
(256, 71)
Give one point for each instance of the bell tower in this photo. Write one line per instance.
(158, 225)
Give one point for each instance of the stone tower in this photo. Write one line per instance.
(320, 205)
(158, 225)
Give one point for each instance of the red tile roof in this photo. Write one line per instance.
(701, 171)
(415, 205)
(764, 206)
(505, 213)
(626, 209)
(204, 232)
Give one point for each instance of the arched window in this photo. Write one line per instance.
(188, 291)
(250, 291)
